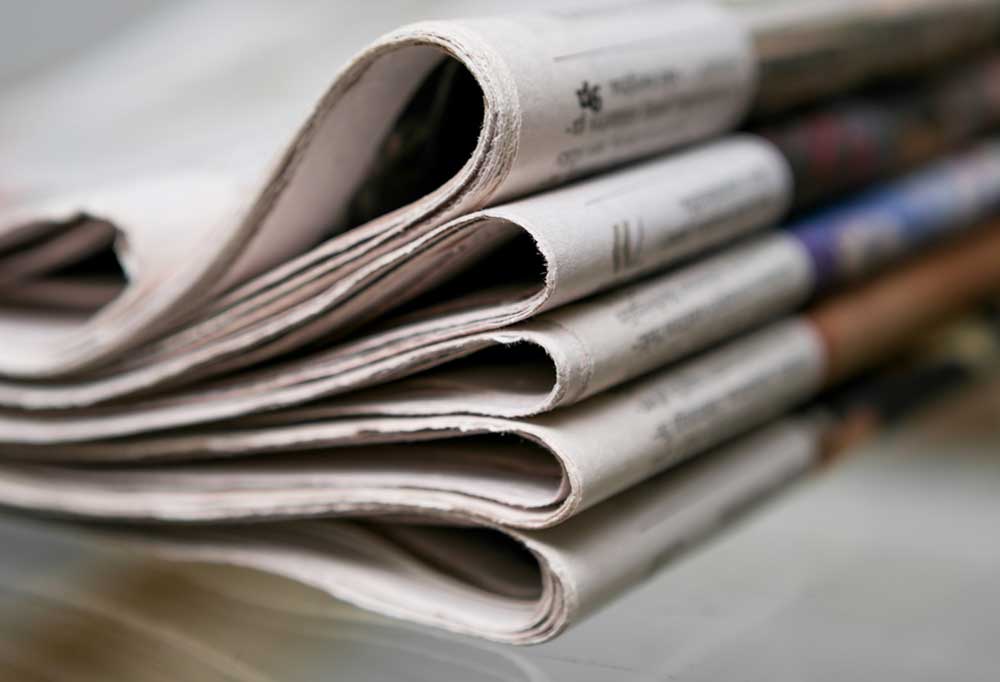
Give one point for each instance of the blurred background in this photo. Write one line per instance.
(35, 35)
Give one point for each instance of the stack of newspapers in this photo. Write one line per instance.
(526, 306)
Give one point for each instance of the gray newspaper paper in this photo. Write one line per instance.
(521, 590)
(529, 472)
(283, 247)
(236, 372)
(224, 270)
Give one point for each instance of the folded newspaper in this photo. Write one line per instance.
(499, 295)
(528, 472)
(636, 221)
(526, 586)
(248, 266)
(564, 356)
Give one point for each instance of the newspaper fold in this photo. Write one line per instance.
(724, 190)
(307, 249)
(524, 586)
(672, 74)
(572, 569)
(580, 350)
(531, 472)
(508, 585)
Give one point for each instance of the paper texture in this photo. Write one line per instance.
(563, 458)
(526, 586)
(577, 351)
(276, 256)
(584, 238)
(482, 584)
(724, 189)
(512, 317)
(691, 75)
(529, 472)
